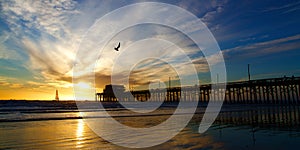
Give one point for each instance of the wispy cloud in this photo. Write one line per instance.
(4, 37)
(207, 11)
(42, 29)
(264, 48)
(5, 51)
(52, 60)
(40, 16)
(287, 8)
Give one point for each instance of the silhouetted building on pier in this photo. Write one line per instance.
(109, 92)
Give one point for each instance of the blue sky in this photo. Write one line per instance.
(38, 40)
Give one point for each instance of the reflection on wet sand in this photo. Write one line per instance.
(191, 140)
(276, 127)
(80, 133)
(275, 117)
(240, 127)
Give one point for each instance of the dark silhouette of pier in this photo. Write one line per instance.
(283, 90)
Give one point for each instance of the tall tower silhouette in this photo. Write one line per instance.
(56, 96)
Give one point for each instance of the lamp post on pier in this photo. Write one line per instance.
(249, 78)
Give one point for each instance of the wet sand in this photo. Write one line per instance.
(239, 127)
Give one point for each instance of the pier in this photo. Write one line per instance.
(285, 90)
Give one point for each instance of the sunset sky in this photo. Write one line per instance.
(39, 41)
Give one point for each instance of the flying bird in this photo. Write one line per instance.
(117, 48)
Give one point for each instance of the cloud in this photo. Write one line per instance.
(43, 16)
(9, 82)
(4, 37)
(54, 61)
(42, 30)
(5, 51)
(287, 8)
(207, 11)
(264, 48)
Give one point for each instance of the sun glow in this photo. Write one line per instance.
(84, 91)
(82, 85)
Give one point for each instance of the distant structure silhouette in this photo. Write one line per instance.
(117, 48)
(109, 92)
(56, 96)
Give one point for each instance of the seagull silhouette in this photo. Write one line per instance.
(117, 48)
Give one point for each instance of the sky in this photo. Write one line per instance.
(39, 43)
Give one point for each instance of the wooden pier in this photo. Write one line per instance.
(284, 90)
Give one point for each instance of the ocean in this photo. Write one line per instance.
(59, 125)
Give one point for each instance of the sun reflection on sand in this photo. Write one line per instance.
(80, 133)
